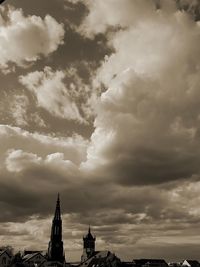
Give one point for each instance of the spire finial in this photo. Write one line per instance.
(89, 230)
(55, 250)
(57, 210)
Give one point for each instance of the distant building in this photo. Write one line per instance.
(35, 259)
(5, 258)
(102, 259)
(88, 246)
(55, 249)
(150, 263)
(191, 263)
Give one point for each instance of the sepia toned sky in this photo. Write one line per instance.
(100, 101)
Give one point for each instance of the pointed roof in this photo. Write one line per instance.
(27, 257)
(57, 215)
(89, 235)
(192, 263)
(101, 258)
(5, 251)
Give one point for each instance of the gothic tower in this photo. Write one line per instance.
(88, 246)
(55, 250)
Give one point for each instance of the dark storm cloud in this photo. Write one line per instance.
(112, 210)
(190, 6)
(136, 180)
(144, 133)
(140, 169)
(29, 176)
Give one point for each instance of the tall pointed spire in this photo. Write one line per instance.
(55, 250)
(57, 215)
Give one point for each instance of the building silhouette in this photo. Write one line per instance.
(90, 258)
(55, 249)
(88, 246)
(103, 259)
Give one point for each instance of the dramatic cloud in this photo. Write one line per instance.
(147, 120)
(115, 14)
(191, 6)
(73, 148)
(25, 39)
(33, 164)
(134, 176)
(51, 93)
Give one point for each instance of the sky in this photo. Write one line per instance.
(100, 101)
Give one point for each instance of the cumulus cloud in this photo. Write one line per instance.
(51, 93)
(17, 160)
(137, 179)
(31, 167)
(24, 39)
(33, 164)
(114, 13)
(73, 148)
(147, 124)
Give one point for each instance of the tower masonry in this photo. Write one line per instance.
(55, 249)
(88, 246)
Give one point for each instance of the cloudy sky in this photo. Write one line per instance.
(100, 101)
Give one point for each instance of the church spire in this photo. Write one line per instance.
(55, 250)
(57, 215)
(88, 245)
